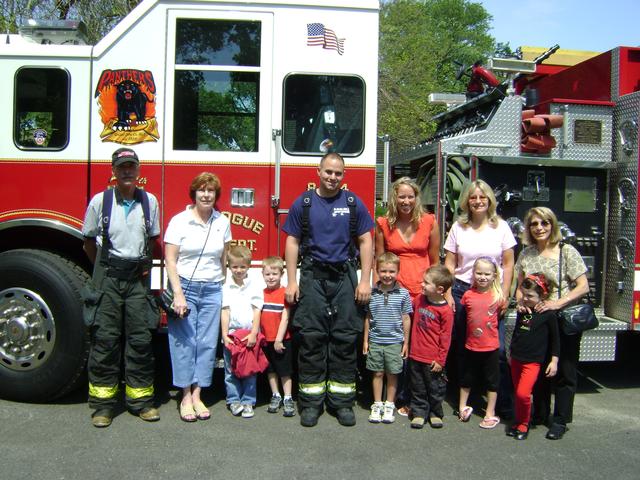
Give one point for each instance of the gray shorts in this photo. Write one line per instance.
(385, 358)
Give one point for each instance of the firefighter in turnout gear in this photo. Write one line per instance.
(323, 227)
(119, 228)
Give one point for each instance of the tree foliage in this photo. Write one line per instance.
(419, 42)
(99, 16)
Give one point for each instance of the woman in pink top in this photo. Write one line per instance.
(410, 233)
(413, 235)
(478, 232)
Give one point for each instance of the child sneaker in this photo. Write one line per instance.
(376, 412)
(236, 409)
(247, 411)
(289, 409)
(387, 416)
(417, 422)
(275, 404)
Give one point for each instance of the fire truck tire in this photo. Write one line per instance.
(43, 341)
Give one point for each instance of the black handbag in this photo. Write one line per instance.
(578, 318)
(165, 301)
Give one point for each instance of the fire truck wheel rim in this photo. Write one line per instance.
(27, 329)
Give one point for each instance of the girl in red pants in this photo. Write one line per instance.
(535, 338)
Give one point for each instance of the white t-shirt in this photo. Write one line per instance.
(185, 231)
(240, 300)
(469, 244)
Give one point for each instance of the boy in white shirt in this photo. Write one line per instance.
(241, 305)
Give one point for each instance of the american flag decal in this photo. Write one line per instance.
(319, 36)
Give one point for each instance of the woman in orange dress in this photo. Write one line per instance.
(410, 233)
(413, 235)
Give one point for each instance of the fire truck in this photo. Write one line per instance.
(560, 131)
(255, 92)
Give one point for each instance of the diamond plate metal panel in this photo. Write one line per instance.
(597, 345)
(580, 151)
(618, 291)
(615, 74)
(503, 129)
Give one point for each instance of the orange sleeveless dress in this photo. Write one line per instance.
(414, 256)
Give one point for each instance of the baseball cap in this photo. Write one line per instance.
(124, 155)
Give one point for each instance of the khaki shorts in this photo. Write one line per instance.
(385, 358)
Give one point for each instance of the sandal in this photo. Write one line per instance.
(465, 414)
(187, 413)
(404, 411)
(202, 412)
(489, 422)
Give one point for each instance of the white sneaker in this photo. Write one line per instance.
(376, 410)
(236, 408)
(387, 416)
(247, 411)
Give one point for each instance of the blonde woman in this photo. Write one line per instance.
(410, 233)
(478, 232)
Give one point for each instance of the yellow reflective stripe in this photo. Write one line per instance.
(102, 392)
(312, 388)
(335, 387)
(139, 392)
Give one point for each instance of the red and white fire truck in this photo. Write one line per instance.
(253, 91)
(561, 131)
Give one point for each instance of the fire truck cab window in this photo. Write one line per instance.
(41, 111)
(216, 108)
(323, 113)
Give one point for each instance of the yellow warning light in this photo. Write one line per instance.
(636, 311)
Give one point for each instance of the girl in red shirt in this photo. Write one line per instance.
(482, 304)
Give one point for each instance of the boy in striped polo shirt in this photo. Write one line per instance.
(386, 338)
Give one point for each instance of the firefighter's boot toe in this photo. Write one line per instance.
(149, 414)
(102, 418)
(309, 416)
(346, 417)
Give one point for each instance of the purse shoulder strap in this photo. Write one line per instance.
(560, 271)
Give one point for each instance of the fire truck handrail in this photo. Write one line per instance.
(41, 222)
(546, 161)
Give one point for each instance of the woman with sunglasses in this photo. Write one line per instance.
(541, 255)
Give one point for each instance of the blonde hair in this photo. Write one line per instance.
(543, 213)
(392, 213)
(387, 257)
(273, 261)
(496, 285)
(465, 217)
(239, 252)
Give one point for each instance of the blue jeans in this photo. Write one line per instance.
(239, 390)
(193, 340)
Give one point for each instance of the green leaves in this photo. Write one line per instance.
(419, 40)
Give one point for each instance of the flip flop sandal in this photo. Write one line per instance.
(489, 422)
(465, 414)
(202, 412)
(187, 413)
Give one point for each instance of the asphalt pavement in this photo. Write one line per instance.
(57, 441)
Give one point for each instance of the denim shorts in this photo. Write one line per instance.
(385, 358)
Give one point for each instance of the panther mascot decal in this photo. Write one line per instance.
(127, 104)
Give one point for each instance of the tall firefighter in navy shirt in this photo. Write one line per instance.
(327, 227)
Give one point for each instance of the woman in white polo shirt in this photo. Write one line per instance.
(196, 243)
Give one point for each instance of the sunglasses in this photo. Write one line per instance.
(544, 223)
